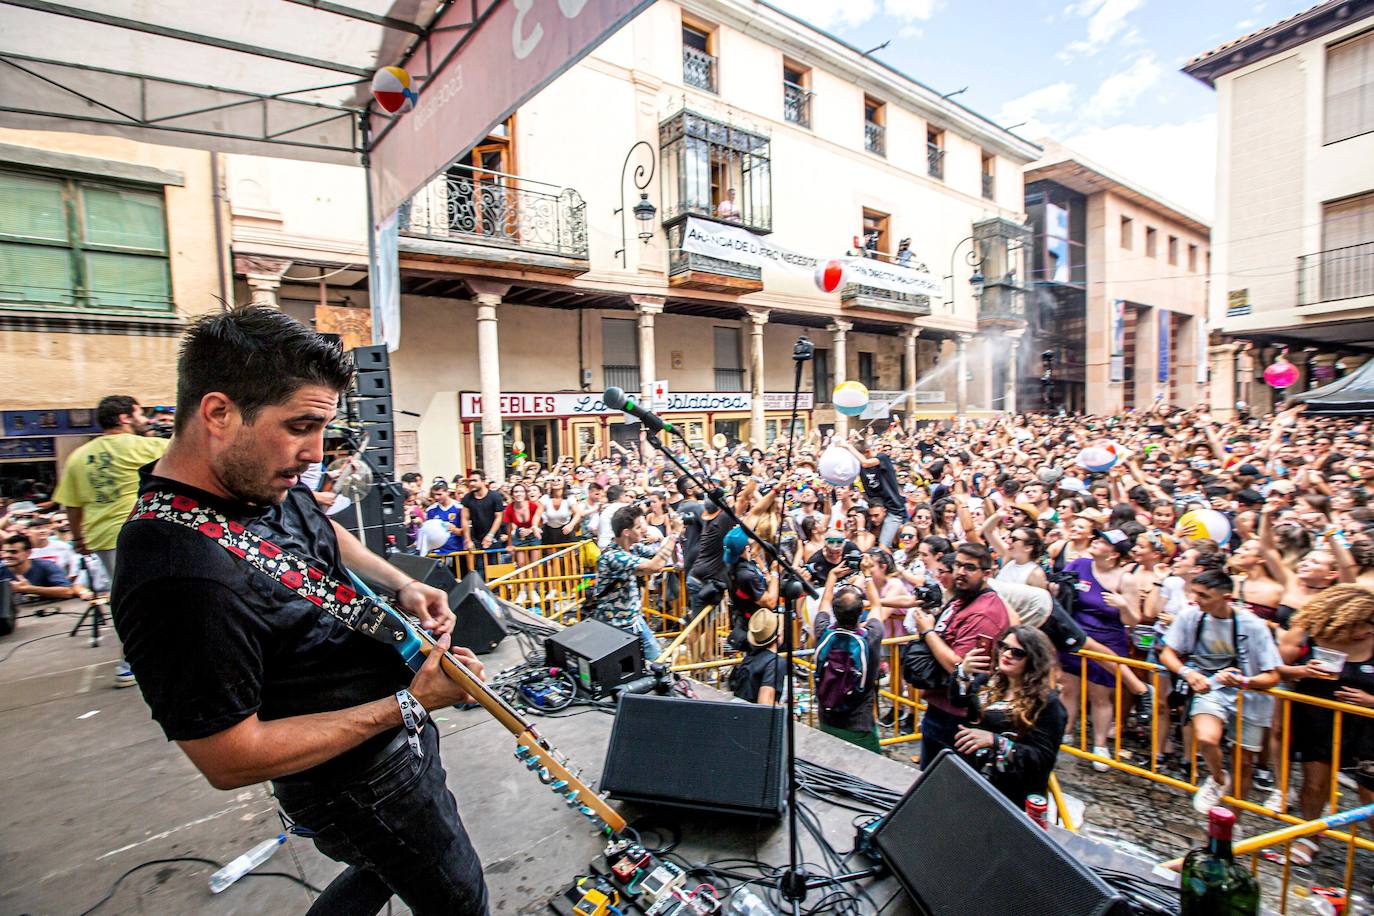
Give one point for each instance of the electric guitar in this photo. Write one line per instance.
(531, 748)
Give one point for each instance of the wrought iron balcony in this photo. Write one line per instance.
(498, 211)
(875, 138)
(796, 104)
(854, 295)
(1336, 274)
(729, 379)
(698, 69)
(623, 377)
(989, 186)
(935, 161)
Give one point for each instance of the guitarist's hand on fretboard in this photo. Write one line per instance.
(436, 689)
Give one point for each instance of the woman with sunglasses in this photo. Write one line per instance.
(923, 520)
(907, 540)
(1014, 740)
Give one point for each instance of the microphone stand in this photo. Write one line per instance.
(795, 882)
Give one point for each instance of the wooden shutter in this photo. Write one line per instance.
(1350, 88)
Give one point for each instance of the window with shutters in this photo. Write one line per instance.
(1350, 88)
(729, 370)
(77, 244)
(620, 353)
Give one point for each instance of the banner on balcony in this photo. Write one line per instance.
(739, 245)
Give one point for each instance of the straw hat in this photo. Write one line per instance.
(763, 627)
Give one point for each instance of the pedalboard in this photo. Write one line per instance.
(630, 880)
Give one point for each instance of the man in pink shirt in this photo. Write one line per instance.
(975, 611)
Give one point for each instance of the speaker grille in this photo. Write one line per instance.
(959, 846)
(697, 754)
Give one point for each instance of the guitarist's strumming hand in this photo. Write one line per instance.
(428, 605)
(435, 689)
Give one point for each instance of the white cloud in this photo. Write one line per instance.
(1245, 25)
(1035, 105)
(828, 14)
(1176, 161)
(1106, 24)
(1120, 90)
(911, 10)
(910, 31)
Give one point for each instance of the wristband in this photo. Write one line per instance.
(413, 717)
(406, 586)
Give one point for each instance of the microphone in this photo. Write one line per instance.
(617, 399)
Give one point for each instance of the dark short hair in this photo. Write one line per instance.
(21, 539)
(977, 552)
(1215, 579)
(111, 408)
(258, 357)
(614, 493)
(938, 546)
(410, 477)
(624, 519)
(847, 605)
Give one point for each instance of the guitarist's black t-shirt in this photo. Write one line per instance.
(212, 640)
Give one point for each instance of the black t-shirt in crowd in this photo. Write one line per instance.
(760, 668)
(482, 513)
(880, 486)
(747, 585)
(212, 640)
(710, 560)
(818, 567)
(690, 510)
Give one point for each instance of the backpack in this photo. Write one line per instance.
(843, 672)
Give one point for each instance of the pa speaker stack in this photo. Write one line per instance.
(479, 617)
(369, 404)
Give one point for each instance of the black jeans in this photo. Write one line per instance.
(938, 730)
(397, 829)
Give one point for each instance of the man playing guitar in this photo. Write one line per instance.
(252, 680)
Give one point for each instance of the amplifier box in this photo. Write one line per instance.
(601, 657)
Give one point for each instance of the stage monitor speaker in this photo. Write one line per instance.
(431, 572)
(601, 657)
(957, 845)
(480, 622)
(371, 358)
(700, 754)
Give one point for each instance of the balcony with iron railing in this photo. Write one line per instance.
(935, 161)
(1336, 275)
(729, 379)
(989, 186)
(698, 69)
(854, 295)
(480, 215)
(623, 377)
(796, 104)
(875, 138)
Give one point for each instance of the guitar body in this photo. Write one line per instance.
(531, 748)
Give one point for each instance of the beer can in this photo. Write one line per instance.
(1037, 809)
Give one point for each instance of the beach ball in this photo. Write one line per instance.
(393, 90)
(1204, 524)
(1097, 459)
(1280, 373)
(433, 535)
(850, 398)
(838, 466)
(830, 276)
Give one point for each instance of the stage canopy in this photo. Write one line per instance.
(292, 78)
(1353, 394)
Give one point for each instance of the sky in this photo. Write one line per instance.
(1099, 76)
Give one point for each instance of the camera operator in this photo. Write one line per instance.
(975, 611)
(750, 589)
(838, 549)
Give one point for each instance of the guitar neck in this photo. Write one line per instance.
(485, 697)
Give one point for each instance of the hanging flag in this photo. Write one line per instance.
(384, 284)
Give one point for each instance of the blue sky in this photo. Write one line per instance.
(1100, 76)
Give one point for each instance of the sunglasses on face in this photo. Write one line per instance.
(907, 535)
(1015, 652)
(833, 543)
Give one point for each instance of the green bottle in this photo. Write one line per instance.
(1214, 883)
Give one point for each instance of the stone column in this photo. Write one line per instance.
(909, 359)
(838, 329)
(961, 373)
(1013, 363)
(647, 308)
(264, 276)
(487, 297)
(757, 319)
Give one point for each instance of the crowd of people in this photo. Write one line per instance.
(993, 545)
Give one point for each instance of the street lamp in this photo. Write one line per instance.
(975, 258)
(644, 211)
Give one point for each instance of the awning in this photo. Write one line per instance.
(1353, 394)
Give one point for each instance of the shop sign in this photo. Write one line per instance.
(528, 406)
(72, 422)
(29, 449)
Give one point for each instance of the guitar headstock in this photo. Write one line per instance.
(563, 782)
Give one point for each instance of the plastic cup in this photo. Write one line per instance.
(1329, 660)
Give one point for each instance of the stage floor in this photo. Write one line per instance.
(91, 788)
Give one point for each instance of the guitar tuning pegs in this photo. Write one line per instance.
(532, 763)
(544, 776)
(558, 785)
(572, 797)
(587, 811)
(521, 750)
